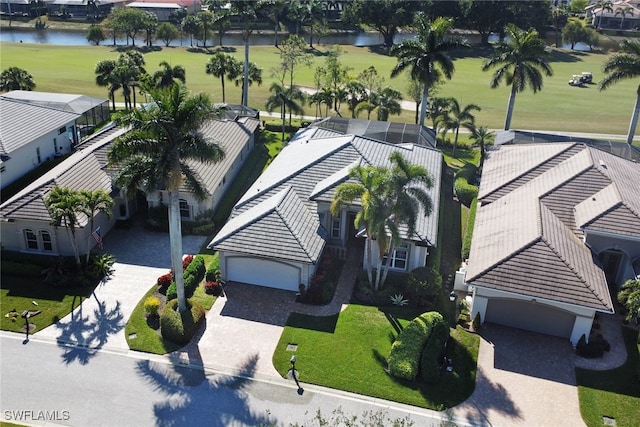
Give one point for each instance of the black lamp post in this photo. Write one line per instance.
(293, 374)
(452, 298)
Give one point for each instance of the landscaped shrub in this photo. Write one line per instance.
(404, 359)
(186, 261)
(21, 269)
(164, 281)
(476, 324)
(213, 288)
(180, 327)
(172, 291)
(468, 232)
(434, 349)
(151, 306)
(323, 283)
(424, 284)
(594, 348)
(463, 184)
(193, 275)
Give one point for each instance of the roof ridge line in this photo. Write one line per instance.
(286, 223)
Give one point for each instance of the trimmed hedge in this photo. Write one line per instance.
(468, 231)
(433, 349)
(424, 283)
(193, 275)
(404, 359)
(463, 185)
(181, 327)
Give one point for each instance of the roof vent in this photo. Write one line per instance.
(603, 164)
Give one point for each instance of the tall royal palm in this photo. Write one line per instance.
(624, 65)
(247, 12)
(521, 61)
(427, 58)
(155, 154)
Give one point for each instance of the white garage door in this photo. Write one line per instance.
(256, 271)
(531, 317)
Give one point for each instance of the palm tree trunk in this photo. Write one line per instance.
(245, 77)
(89, 237)
(72, 239)
(385, 267)
(368, 244)
(423, 103)
(455, 142)
(223, 96)
(276, 33)
(512, 101)
(283, 111)
(175, 242)
(634, 118)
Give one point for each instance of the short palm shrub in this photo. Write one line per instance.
(404, 359)
(434, 349)
(101, 266)
(181, 327)
(463, 184)
(151, 306)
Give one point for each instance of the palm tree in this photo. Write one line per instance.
(64, 205)
(483, 137)
(290, 98)
(439, 106)
(623, 12)
(271, 10)
(104, 77)
(427, 58)
(367, 106)
(521, 62)
(14, 78)
(206, 19)
(165, 136)
(604, 6)
(387, 101)
(94, 202)
(254, 76)
(221, 65)
(456, 117)
(629, 296)
(168, 75)
(389, 198)
(247, 11)
(356, 93)
(621, 66)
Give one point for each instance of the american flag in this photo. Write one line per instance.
(96, 235)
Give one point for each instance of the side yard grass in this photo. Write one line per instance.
(614, 393)
(142, 337)
(349, 351)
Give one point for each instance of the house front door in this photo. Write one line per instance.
(611, 260)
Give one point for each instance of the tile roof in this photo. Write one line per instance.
(313, 163)
(23, 123)
(527, 237)
(276, 226)
(59, 101)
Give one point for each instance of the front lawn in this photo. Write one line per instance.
(348, 352)
(614, 393)
(19, 293)
(141, 336)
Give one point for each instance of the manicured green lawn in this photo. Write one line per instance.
(557, 107)
(349, 351)
(148, 339)
(54, 303)
(614, 393)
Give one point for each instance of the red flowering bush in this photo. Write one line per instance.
(212, 288)
(186, 261)
(165, 280)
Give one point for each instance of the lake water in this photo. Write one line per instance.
(79, 38)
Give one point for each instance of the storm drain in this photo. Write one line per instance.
(608, 421)
(292, 347)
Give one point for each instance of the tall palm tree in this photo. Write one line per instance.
(624, 65)
(520, 61)
(168, 75)
(271, 10)
(165, 136)
(94, 202)
(285, 98)
(387, 101)
(64, 205)
(438, 107)
(427, 58)
(483, 137)
(14, 78)
(223, 65)
(624, 12)
(367, 106)
(629, 296)
(104, 77)
(457, 116)
(247, 12)
(604, 6)
(356, 93)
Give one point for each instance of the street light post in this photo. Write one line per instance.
(293, 374)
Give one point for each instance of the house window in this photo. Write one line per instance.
(185, 212)
(400, 257)
(2, 168)
(30, 239)
(335, 228)
(45, 237)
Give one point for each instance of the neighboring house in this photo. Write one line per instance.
(81, 8)
(237, 138)
(557, 231)
(164, 11)
(25, 223)
(281, 226)
(613, 19)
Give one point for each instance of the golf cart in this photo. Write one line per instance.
(581, 79)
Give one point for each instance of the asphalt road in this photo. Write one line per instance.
(43, 383)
